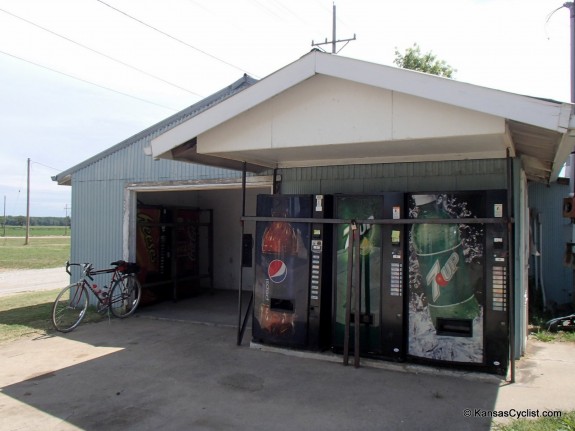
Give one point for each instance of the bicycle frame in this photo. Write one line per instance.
(88, 272)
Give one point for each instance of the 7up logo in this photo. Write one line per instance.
(439, 276)
(363, 230)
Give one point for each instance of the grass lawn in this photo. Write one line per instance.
(41, 252)
(29, 314)
(20, 231)
(564, 423)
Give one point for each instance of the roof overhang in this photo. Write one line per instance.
(330, 110)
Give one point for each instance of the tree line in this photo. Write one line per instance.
(35, 221)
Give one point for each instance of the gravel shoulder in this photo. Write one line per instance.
(29, 280)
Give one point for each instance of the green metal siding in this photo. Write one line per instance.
(405, 177)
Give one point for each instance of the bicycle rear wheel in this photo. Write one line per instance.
(125, 296)
(69, 307)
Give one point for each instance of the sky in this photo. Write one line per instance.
(79, 76)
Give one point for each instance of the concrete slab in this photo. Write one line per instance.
(146, 373)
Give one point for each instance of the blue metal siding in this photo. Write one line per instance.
(97, 222)
(98, 197)
(548, 202)
(130, 164)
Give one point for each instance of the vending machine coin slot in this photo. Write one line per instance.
(316, 245)
(498, 243)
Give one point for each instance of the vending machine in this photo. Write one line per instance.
(380, 284)
(292, 288)
(458, 280)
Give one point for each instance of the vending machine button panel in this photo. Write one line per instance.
(396, 285)
(499, 288)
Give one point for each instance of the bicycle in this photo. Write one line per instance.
(121, 301)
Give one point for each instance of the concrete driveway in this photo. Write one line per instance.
(145, 373)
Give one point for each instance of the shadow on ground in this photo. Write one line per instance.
(150, 373)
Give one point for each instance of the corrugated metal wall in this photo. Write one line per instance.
(98, 189)
(548, 202)
(98, 197)
(406, 177)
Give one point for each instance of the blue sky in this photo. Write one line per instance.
(58, 119)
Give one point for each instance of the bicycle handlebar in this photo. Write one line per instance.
(87, 268)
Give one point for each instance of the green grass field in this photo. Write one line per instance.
(29, 314)
(20, 231)
(41, 252)
(564, 423)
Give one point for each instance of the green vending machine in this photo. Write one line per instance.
(380, 284)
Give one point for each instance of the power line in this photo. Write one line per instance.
(88, 82)
(46, 166)
(176, 39)
(100, 53)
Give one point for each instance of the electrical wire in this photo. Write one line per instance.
(176, 39)
(46, 166)
(88, 82)
(100, 53)
(550, 15)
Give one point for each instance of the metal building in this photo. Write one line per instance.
(323, 124)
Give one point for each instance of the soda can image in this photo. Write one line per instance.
(447, 281)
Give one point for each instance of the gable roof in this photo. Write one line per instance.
(536, 130)
(64, 178)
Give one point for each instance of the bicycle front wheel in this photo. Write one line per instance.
(70, 307)
(125, 296)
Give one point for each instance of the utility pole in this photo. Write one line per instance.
(333, 41)
(66, 222)
(28, 206)
(4, 223)
(571, 7)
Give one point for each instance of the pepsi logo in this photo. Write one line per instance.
(277, 271)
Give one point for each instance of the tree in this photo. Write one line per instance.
(413, 59)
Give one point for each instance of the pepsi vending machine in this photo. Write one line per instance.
(381, 274)
(458, 280)
(292, 288)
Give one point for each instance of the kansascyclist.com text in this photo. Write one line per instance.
(511, 413)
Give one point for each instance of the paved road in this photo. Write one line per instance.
(28, 280)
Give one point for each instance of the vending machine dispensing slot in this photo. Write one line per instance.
(455, 327)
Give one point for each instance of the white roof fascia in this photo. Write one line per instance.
(267, 88)
(509, 141)
(525, 109)
(546, 114)
(566, 146)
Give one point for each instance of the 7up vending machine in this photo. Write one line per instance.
(380, 287)
(457, 282)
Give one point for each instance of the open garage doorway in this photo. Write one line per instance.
(187, 238)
